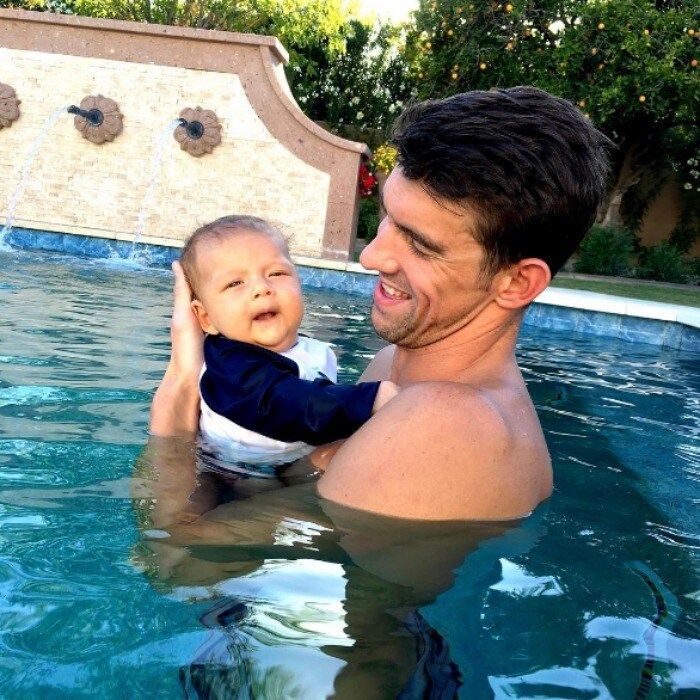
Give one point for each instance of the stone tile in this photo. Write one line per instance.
(642, 330)
(673, 336)
(532, 315)
(690, 340)
(558, 318)
(600, 324)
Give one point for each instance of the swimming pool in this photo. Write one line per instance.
(596, 595)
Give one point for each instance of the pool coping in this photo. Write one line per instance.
(571, 310)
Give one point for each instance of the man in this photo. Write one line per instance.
(492, 193)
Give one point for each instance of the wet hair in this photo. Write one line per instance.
(218, 230)
(530, 166)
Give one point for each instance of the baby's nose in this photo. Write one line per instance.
(261, 289)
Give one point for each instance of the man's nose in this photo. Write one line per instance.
(380, 254)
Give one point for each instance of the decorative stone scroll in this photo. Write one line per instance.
(9, 106)
(99, 119)
(200, 134)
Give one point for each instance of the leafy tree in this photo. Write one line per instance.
(365, 85)
(631, 65)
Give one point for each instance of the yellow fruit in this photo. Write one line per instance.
(582, 103)
(691, 32)
(642, 98)
(594, 51)
(646, 32)
(482, 66)
(509, 46)
(601, 26)
(455, 76)
(509, 8)
(450, 32)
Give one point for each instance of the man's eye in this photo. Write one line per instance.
(418, 249)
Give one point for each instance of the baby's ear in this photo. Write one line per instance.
(203, 317)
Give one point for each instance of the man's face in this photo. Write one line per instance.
(249, 291)
(428, 262)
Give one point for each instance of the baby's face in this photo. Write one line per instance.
(249, 291)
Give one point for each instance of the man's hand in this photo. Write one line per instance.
(175, 407)
(185, 332)
(387, 391)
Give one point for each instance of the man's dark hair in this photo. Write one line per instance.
(218, 230)
(530, 165)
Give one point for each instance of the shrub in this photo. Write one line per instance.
(606, 251)
(663, 262)
(368, 220)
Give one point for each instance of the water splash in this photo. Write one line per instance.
(24, 177)
(156, 162)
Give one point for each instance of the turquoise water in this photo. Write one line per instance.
(106, 591)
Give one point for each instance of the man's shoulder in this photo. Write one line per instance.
(438, 451)
(449, 405)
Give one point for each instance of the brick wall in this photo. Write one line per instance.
(75, 186)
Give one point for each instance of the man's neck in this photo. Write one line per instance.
(481, 351)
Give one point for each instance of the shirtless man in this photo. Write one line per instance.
(492, 193)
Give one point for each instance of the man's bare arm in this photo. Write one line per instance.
(175, 407)
(377, 370)
(438, 451)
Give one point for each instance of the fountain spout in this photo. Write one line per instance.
(194, 128)
(94, 116)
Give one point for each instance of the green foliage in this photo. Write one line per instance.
(368, 220)
(663, 262)
(684, 235)
(365, 85)
(40, 5)
(606, 251)
(631, 65)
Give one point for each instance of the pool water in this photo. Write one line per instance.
(272, 594)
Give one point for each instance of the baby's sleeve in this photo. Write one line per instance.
(266, 395)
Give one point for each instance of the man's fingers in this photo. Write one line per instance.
(181, 289)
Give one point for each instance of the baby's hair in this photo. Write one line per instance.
(218, 230)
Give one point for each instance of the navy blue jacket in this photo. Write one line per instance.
(261, 390)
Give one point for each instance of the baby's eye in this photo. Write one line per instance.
(234, 283)
(278, 273)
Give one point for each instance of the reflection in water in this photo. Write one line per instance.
(309, 599)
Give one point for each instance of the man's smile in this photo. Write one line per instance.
(388, 292)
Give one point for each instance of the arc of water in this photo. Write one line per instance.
(24, 177)
(156, 162)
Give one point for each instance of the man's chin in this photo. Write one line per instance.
(392, 330)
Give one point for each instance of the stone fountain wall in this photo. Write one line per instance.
(273, 161)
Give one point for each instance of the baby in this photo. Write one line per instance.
(267, 393)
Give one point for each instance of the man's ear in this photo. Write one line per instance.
(203, 317)
(516, 286)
